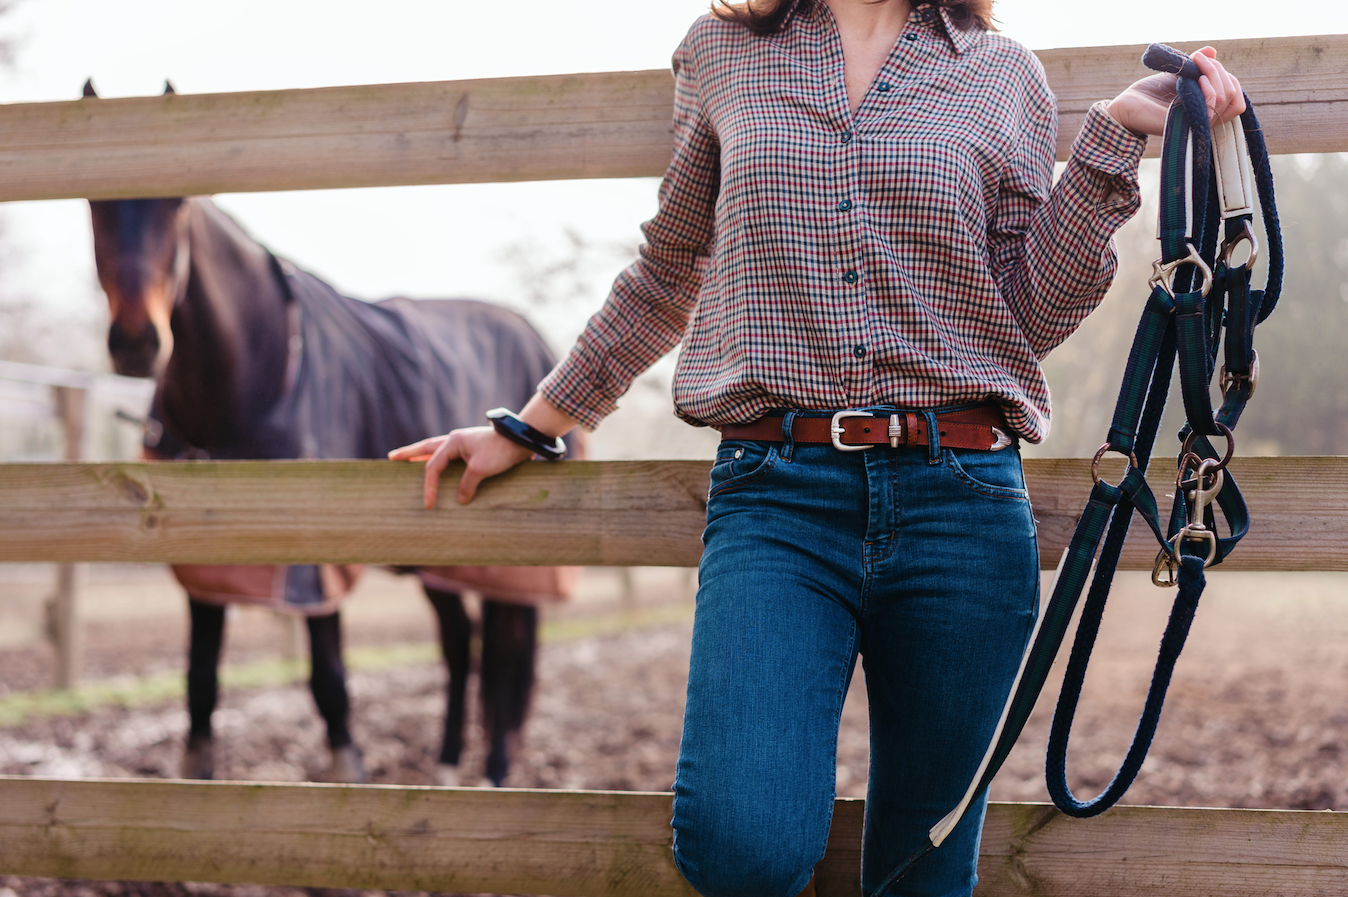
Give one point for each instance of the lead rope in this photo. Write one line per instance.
(1196, 293)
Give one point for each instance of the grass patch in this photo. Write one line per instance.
(159, 688)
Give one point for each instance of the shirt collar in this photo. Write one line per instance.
(938, 19)
(927, 15)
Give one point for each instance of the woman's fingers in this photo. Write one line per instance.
(468, 483)
(1221, 89)
(417, 451)
(447, 451)
(484, 453)
(1237, 94)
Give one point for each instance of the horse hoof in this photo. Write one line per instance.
(199, 759)
(447, 776)
(347, 767)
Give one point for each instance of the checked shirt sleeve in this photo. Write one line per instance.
(647, 311)
(1052, 250)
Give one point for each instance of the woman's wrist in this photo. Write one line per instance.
(542, 415)
(1107, 108)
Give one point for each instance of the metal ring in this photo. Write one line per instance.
(1095, 463)
(1246, 234)
(1162, 272)
(1189, 440)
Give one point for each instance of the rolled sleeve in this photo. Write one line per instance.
(647, 311)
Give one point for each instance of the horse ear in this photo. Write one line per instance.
(89, 88)
(168, 87)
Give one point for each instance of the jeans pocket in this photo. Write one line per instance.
(739, 463)
(992, 474)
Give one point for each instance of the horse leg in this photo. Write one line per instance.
(327, 681)
(206, 633)
(509, 644)
(455, 634)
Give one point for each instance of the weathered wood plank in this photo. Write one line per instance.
(606, 844)
(597, 844)
(614, 513)
(218, 512)
(1298, 85)
(504, 129)
(614, 124)
(1032, 850)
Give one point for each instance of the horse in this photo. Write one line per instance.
(255, 358)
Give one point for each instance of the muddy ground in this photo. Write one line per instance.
(1258, 715)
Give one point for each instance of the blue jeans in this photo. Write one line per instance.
(922, 560)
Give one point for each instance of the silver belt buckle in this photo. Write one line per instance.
(836, 431)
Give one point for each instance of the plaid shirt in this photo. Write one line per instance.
(915, 253)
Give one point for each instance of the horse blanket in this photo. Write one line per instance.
(364, 378)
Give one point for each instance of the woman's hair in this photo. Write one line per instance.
(768, 16)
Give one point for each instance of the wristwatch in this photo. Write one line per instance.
(512, 427)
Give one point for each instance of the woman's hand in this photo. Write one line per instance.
(484, 452)
(1143, 107)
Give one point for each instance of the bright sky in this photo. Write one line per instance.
(439, 241)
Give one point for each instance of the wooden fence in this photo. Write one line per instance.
(561, 843)
(519, 129)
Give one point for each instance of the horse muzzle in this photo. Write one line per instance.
(135, 355)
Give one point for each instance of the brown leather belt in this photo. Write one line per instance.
(982, 427)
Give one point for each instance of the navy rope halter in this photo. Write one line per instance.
(1197, 292)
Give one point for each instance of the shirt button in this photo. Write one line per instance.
(847, 137)
(912, 35)
(883, 87)
(859, 350)
(851, 277)
(845, 205)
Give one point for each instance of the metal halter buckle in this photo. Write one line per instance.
(1247, 234)
(1163, 272)
(1228, 381)
(836, 431)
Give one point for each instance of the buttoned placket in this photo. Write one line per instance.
(854, 343)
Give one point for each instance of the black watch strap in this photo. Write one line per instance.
(509, 425)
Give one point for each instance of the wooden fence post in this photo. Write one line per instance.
(72, 406)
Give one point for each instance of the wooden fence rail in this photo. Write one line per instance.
(616, 513)
(608, 844)
(606, 125)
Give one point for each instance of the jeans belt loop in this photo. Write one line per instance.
(788, 443)
(933, 438)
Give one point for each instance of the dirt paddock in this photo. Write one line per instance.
(1257, 715)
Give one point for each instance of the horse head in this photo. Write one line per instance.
(142, 252)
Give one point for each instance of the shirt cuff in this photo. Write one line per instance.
(1108, 146)
(570, 388)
